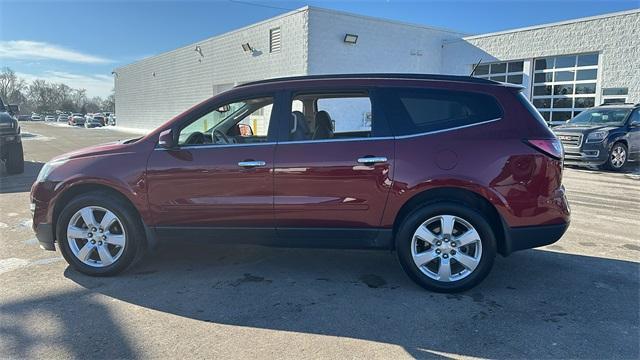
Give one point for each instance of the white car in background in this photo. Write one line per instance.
(49, 118)
(76, 119)
(36, 117)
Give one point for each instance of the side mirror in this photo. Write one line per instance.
(167, 139)
(245, 130)
(14, 109)
(223, 109)
(635, 124)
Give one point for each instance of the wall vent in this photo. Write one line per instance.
(275, 40)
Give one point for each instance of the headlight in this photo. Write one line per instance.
(48, 168)
(597, 136)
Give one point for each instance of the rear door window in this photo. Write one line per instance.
(334, 115)
(414, 111)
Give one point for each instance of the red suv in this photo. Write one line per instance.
(445, 170)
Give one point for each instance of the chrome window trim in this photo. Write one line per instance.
(333, 140)
(337, 140)
(448, 129)
(193, 147)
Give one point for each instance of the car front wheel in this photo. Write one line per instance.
(99, 234)
(446, 247)
(617, 157)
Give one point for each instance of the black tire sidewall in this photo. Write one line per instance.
(127, 217)
(417, 217)
(626, 152)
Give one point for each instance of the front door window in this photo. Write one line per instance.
(240, 122)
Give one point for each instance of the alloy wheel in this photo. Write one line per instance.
(618, 157)
(446, 248)
(96, 236)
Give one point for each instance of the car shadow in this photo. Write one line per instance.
(19, 182)
(71, 320)
(534, 304)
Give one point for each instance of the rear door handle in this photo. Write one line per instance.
(372, 159)
(251, 163)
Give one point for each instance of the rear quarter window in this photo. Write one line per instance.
(415, 111)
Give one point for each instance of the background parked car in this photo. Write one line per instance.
(76, 119)
(63, 117)
(10, 139)
(36, 117)
(24, 117)
(607, 136)
(49, 118)
(111, 120)
(94, 121)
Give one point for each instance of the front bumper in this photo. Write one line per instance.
(529, 237)
(44, 234)
(588, 154)
(10, 138)
(42, 223)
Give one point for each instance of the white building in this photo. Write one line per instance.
(564, 67)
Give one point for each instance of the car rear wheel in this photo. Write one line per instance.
(446, 247)
(15, 159)
(617, 157)
(99, 234)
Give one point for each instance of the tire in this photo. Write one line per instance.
(15, 159)
(618, 156)
(127, 225)
(429, 218)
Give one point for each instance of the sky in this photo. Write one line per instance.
(81, 42)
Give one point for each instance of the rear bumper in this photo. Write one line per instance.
(529, 237)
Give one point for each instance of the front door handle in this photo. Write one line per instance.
(372, 160)
(251, 163)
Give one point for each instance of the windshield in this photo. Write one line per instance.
(600, 117)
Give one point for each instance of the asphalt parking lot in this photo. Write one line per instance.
(577, 298)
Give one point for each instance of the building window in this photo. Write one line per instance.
(614, 95)
(508, 71)
(564, 85)
(274, 40)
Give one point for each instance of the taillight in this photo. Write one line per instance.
(551, 147)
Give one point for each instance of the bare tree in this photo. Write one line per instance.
(45, 97)
(11, 87)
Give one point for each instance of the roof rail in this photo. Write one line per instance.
(459, 78)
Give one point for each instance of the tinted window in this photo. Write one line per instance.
(565, 61)
(515, 79)
(585, 102)
(590, 74)
(586, 88)
(588, 60)
(482, 70)
(498, 68)
(564, 76)
(432, 110)
(542, 64)
(601, 116)
(516, 66)
(635, 117)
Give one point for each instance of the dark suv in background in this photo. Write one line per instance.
(10, 139)
(607, 136)
(446, 170)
